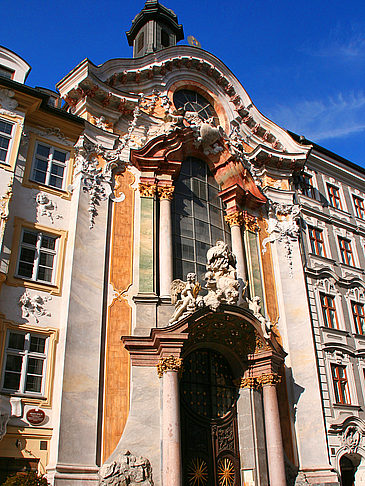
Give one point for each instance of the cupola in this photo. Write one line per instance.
(154, 28)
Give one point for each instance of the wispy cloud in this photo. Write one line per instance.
(334, 117)
(342, 42)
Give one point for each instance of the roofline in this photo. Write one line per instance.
(304, 141)
(15, 86)
(20, 57)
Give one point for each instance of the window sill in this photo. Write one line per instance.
(346, 266)
(347, 406)
(41, 187)
(322, 258)
(341, 332)
(5, 166)
(15, 281)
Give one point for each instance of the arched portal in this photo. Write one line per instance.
(209, 420)
(348, 466)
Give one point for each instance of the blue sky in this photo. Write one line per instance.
(302, 62)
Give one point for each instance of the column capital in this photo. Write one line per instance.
(270, 379)
(147, 190)
(170, 363)
(250, 382)
(235, 218)
(166, 192)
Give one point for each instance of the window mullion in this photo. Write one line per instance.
(37, 256)
(49, 165)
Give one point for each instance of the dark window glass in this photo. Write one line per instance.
(192, 101)
(198, 222)
(165, 38)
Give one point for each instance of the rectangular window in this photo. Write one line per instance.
(329, 311)
(24, 362)
(346, 251)
(6, 133)
(334, 196)
(37, 256)
(316, 239)
(359, 207)
(49, 166)
(359, 317)
(307, 186)
(340, 384)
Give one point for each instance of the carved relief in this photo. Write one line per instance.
(356, 293)
(270, 379)
(221, 283)
(171, 363)
(249, 383)
(189, 300)
(34, 306)
(351, 438)
(46, 207)
(127, 469)
(235, 219)
(283, 228)
(254, 305)
(7, 101)
(166, 192)
(4, 208)
(147, 190)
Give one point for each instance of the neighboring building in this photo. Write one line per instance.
(119, 196)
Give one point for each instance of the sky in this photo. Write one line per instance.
(302, 62)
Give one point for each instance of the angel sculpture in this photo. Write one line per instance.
(254, 306)
(189, 291)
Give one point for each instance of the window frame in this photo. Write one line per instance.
(313, 242)
(326, 311)
(345, 252)
(52, 336)
(356, 317)
(27, 179)
(338, 391)
(26, 354)
(10, 137)
(39, 250)
(51, 162)
(16, 280)
(308, 189)
(334, 196)
(359, 209)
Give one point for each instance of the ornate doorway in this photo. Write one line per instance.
(209, 421)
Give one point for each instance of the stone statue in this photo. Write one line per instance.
(189, 296)
(221, 277)
(254, 306)
(126, 470)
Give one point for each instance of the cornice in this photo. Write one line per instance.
(113, 84)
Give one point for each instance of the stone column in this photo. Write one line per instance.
(168, 369)
(165, 251)
(274, 441)
(235, 221)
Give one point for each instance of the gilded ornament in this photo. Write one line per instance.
(251, 223)
(171, 363)
(270, 379)
(147, 190)
(235, 219)
(249, 383)
(166, 192)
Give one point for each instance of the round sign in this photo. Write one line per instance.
(35, 417)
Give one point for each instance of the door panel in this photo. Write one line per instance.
(209, 421)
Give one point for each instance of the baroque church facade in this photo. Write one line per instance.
(182, 280)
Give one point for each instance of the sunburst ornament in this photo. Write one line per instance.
(197, 472)
(226, 472)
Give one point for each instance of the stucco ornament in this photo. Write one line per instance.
(351, 438)
(221, 277)
(126, 470)
(46, 207)
(283, 228)
(34, 306)
(7, 101)
(221, 283)
(189, 300)
(9, 407)
(254, 305)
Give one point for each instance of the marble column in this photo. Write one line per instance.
(168, 369)
(235, 221)
(165, 194)
(274, 441)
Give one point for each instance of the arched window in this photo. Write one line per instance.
(198, 220)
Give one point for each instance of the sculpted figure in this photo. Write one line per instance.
(189, 292)
(255, 307)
